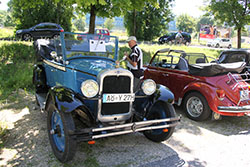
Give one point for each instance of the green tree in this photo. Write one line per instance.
(150, 22)
(28, 13)
(108, 8)
(109, 23)
(79, 23)
(232, 12)
(204, 20)
(185, 23)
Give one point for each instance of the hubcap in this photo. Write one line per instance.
(26, 37)
(194, 106)
(57, 131)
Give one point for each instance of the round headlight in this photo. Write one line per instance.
(89, 88)
(148, 86)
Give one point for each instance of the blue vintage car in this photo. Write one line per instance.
(87, 95)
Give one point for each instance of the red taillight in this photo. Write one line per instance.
(220, 94)
(62, 30)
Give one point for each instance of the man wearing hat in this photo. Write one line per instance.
(134, 59)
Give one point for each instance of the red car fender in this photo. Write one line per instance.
(208, 91)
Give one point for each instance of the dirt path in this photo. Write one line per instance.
(210, 143)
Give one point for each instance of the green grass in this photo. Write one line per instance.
(6, 32)
(16, 64)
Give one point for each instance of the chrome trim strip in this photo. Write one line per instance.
(234, 109)
(54, 65)
(136, 123)
(134, 128)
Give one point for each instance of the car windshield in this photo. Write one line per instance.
(78, 45)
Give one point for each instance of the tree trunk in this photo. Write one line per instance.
(92, 20)
(239, 38)
(134, 28)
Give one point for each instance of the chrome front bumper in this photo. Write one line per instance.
(96, 133)
(234, 109)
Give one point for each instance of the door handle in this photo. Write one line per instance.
(165, 75)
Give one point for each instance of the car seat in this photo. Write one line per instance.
(182, 64)
(200, 60)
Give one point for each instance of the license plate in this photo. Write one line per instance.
(244, 95)
(116, 98)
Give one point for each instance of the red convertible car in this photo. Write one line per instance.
(203, 89)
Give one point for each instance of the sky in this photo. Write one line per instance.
(3, 5)
(191, 7)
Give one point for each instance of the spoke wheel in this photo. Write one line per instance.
(59, 124)
(160, 110)
(27, 37)
(196, 107)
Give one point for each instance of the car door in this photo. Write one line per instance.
(54, 73)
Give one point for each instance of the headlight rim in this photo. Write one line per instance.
(84, 83)
(144, 82)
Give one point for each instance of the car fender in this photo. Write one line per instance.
(65, 100)
(208, 91)
(162, 93)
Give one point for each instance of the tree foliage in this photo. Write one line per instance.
(28, 13)
(232, 12)
(6, 19)
(79, 23)
(109, 23)
(150, 22)
(108, 8)
(185, 23)
(204, 20)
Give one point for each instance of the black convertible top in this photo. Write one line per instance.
(213, 69)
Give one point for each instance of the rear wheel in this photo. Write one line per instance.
(160, 110)
(59, 124)
(217, 45)
(229, 46)
(196, 107)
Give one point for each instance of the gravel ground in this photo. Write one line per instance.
(209, 143)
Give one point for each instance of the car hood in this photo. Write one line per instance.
(92, 65)
(23, 30)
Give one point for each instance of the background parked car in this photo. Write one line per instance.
(42, 30)
(170, 38)
(220, 42)
(98, 31)
(202, 88)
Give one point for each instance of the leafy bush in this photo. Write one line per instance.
(6, 32)
(16, 60)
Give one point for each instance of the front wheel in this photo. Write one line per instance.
(27, 37)
(196, 107)
(160, 110)
(59, 124)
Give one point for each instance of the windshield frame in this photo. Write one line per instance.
(64, 50)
